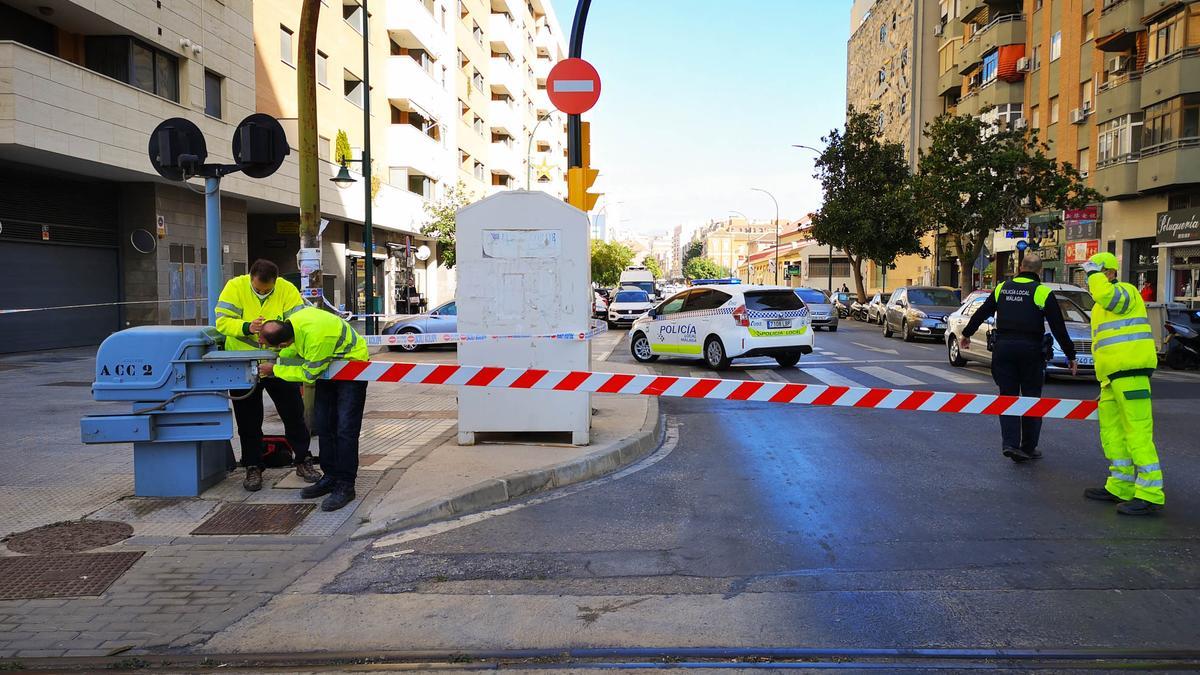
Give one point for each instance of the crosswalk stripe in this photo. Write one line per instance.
(957, 377)
(765, 375)
(829, 377)
(889, 376)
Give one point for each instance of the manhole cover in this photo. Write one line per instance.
(68, 383)
(69, 537)
(61, 576)
(255, 519)
(411, 415)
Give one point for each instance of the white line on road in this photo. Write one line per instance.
(876, 349)
(842, 358)
(765, 375)
(831, 378)
(889, 376)
(955, 376)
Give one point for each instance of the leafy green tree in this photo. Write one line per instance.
(609, 259)
(341, 147)
(693, 250)
(651, 263)
(869, 211)
(976, 177)
(441, 224)
(703, 268)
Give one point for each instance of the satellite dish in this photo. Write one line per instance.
(177, 148)
(259, 145)
(423, 253)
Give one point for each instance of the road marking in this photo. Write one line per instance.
(842, 358)
(923, 346)
(1177, 377)
(955, 376)
(831, 378)
(765, 375)
(876, 349)
(889, 376)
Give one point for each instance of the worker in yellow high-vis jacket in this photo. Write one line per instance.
(1126, 356)
(310, 340)
(246, 303)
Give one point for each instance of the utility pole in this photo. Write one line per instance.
(309, 257)
(368, 242)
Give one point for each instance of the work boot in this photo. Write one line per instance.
(343, 494)
(253, 480)
(1138, 507)
(307, 470)
(318, 489)
(1016, 454)
(1101, 495)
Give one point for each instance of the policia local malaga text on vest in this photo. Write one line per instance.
(1022, 306)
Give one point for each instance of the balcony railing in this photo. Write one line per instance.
(1006, 18)
(1185, 53)
(1170, 146)
(1111, 5)
(1126, 158)
(1118, 80)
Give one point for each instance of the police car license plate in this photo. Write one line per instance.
(1084, 360)
(779, 323)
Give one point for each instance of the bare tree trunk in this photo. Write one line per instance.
(856, 268)
(309, 257)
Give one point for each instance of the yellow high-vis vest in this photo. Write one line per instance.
(238, 306)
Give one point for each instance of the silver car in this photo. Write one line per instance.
(876, 307)
(820, 308)
(1078, 328)
(441, 319)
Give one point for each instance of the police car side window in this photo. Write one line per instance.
(705, 299)
(674, 305)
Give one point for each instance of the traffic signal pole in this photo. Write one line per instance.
(575, 51)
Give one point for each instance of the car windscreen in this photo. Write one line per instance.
(1081, 298)
(933, 296)
(773, 301)
(1072, 312)
(813, 296)
(632, 296)
(647, 286)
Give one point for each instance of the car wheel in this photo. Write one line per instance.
(954, 352)
(905, 332)
(639, 346)
(611, 325)
(406, 347)
(887, 330)
(788, 360)
(714, 354)
(833, 329)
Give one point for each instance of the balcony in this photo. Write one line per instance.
(991, 94)
(503, 158)
(503, 115)
(1117, 178)
(967, 9)
(953, 30)
(503, 34)
(542, 66)
(1120, 16)
(1008, 29)
(503, 75)
(409, 148)
(949, 83)
(408, 81)
(415, 26)
(1120, 95)
(970, 53)
(1167, 78)
(1169, 164)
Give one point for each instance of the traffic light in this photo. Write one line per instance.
(580, 178)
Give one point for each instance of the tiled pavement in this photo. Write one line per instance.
(186, 587)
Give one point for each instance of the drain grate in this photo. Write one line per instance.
(411, 415)
(68, 383)
(62, 576)
(255, 519)
(70, 536)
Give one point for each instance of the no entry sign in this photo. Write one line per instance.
(573, 86)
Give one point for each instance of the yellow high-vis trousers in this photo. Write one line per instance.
(1127, 434)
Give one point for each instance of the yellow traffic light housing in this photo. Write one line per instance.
(579, 179)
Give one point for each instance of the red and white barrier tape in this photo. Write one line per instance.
(710, 388)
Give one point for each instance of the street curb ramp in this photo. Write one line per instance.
(493, 492)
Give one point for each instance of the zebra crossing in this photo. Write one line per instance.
(896, 374)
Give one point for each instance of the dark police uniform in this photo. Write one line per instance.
(1022, 307)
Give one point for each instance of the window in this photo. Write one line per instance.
(1119, 139)
(1035, 117)
(1053, 110)
(991, 64)
(325, 148)
(462, 59)
(1166, 35)
(134, 62)
(1085, 95)
(212, 94)
(1037, 4)
(479, 172)
(893, 21)
(477, 125)
(882, 75)
(353, 88)
(709, 299)
(1083, 163)
(353, 15)
(1089, 27)
(285, 45)
(903, 103)
(322, 68)
(882, 33)
(903, 58)
(1037, 57)
(1007, 114)
(477, 33)
(477, 79)
(1055, 46)
(1172, 120)
(771, 301)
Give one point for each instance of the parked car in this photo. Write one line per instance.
(842, 303)
(719, 323)
(627, 305)
(820, 308)
(599, 306)
(1075, 294)
(919, 311)
(1078, 328)
(876, 306)
(441, 319)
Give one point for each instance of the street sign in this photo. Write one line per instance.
(573, 86)
(1022, 245)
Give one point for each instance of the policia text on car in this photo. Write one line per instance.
(1022, 306)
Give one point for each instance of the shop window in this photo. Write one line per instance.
(134, 62)
(1142, 262)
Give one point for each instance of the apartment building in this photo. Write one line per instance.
(730, 242)
(509, 136)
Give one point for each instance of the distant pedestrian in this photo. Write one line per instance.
(310, 340)
(1126, 356)
(1148, 291)
(845, 288)
(1022, 306)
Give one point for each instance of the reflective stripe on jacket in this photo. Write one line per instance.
(1020, 305)
(1122, 338)
(238, 306)
(321, 338)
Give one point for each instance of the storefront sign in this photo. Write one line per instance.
(1079, 251)
(1090, 213)
(1050, 253)
(1082, 229)
(1182, 225)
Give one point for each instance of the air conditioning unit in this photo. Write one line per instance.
(1020, 123)
(1078, 115)
(1023, 64)
(1119, 64)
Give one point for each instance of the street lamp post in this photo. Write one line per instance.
(776, 230)
(529, 151)
(829, 260)
(747, 219)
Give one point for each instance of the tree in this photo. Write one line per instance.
(609, 259)
(341, 147)
(693, 250)
(869, 212)
(703, 268)
(651, 263)
(976, 177)
(441, 224)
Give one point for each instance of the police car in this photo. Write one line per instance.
(719, 323)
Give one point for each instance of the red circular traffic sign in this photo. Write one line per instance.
(573, 86)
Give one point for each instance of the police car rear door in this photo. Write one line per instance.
(662, 332)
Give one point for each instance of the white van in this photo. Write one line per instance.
(639, 277)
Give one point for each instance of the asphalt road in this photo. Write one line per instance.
(791, 525)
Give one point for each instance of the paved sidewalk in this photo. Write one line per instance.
(186, 587)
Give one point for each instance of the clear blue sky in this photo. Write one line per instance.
(702, 99)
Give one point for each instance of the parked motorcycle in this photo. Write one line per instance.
(1183, 345)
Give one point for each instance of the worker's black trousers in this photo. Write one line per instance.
(1019, 369)
(249, 415)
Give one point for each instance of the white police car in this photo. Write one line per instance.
(718, 323)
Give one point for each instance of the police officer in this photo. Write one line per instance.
(1022, 306)
(1126, 355)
